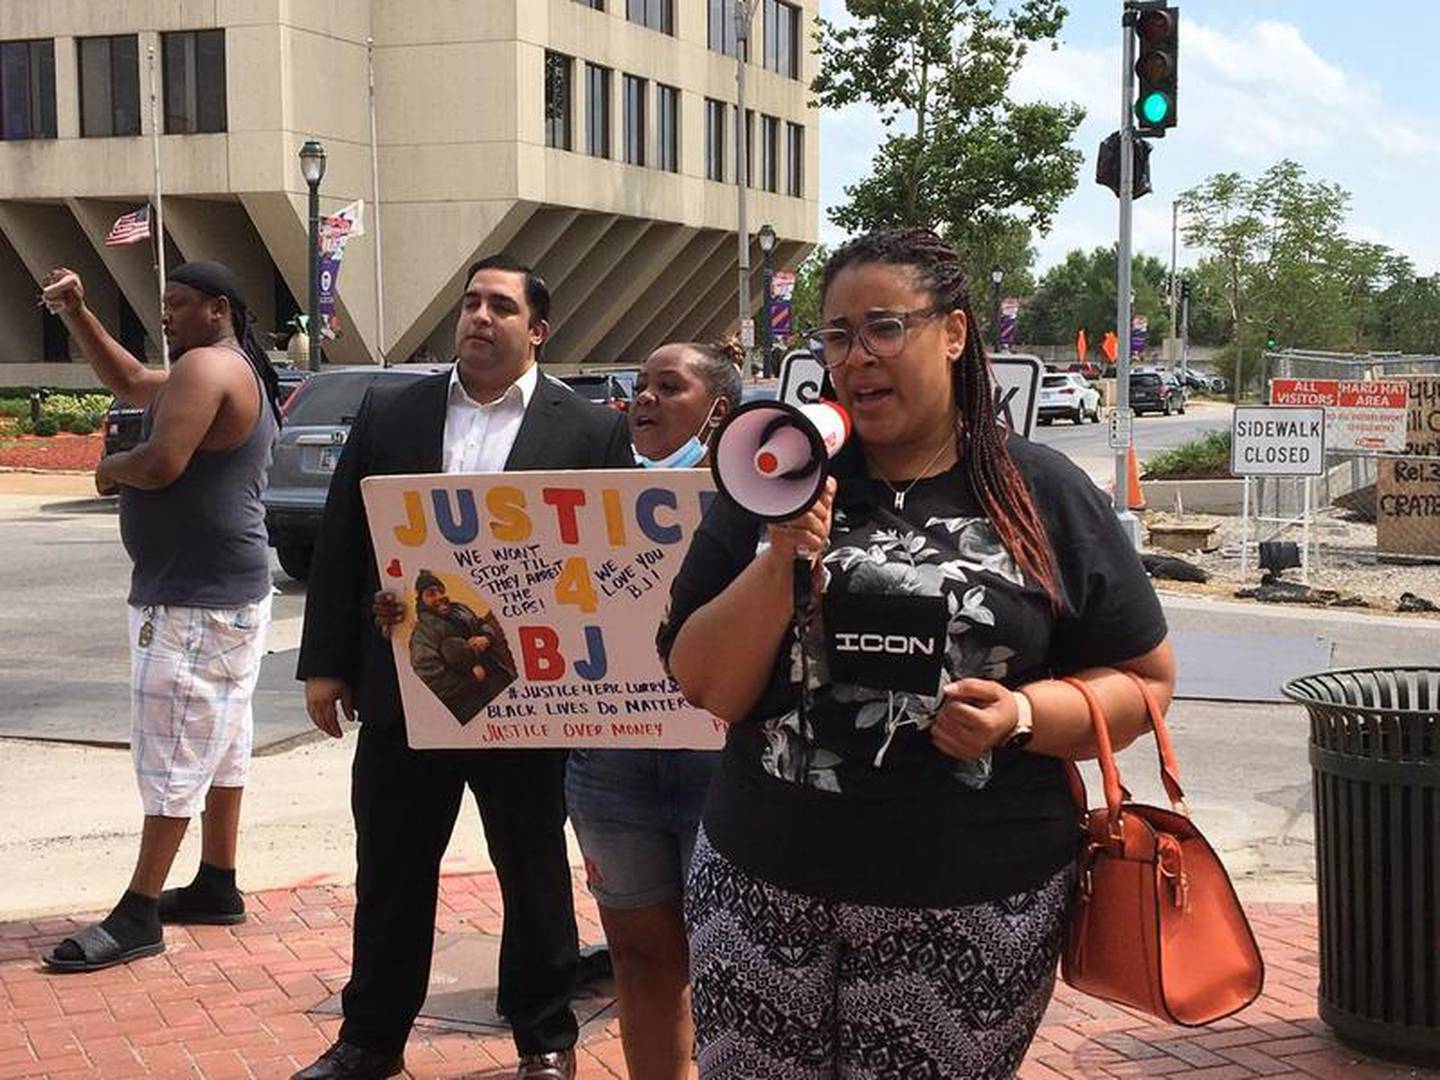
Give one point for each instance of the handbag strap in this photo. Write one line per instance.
(1169, 769)
(1105, 758)
(1115, 793)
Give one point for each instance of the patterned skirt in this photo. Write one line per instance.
(786, 986)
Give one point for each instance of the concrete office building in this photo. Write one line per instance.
(593, 138)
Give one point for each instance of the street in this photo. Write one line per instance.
(64, 722)
(1087, 446)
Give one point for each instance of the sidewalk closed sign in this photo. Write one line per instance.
(1277, 441)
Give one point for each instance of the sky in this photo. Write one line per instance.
(1350, 91)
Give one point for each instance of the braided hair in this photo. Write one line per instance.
(979, 436)
(719, 364)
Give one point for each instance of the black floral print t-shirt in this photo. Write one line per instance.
(842, 794)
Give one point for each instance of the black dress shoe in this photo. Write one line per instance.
(346, 1061)
(556, 1066)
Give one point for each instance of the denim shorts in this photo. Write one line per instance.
(636, 814)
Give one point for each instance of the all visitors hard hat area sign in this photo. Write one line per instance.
(1360, 417)
(1270, 440)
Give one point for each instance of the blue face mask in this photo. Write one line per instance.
(689, 454)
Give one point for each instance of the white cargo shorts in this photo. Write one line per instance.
(192, 675)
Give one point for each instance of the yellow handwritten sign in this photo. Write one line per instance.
(532, 601)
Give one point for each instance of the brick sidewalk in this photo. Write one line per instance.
(236, 1002)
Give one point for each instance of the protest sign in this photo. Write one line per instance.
(531, 605)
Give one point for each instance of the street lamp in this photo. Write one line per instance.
(766, 237)
(312, 167)
(996, 277)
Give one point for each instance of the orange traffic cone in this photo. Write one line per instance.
(1134, 497)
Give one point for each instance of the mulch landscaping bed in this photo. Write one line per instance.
(74, 453)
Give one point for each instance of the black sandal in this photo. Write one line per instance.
(174, 911)
(99, 950)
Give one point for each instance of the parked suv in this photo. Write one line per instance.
(1150, 391)
(317, 421)
(1068, 394)
(604, 388)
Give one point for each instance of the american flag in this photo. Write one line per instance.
(130, 228)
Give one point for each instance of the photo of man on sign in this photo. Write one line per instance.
(461, 656)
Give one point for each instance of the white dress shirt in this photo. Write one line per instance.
(479, 435)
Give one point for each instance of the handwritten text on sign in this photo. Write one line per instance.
(1359, 416)
(531, 605)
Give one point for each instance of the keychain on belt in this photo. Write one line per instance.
(147, 628)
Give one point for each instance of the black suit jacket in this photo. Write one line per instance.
(401, 430)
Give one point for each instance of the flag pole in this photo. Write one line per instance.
(159, 214)
(375, 207)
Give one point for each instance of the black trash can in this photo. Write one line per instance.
(1375, 755)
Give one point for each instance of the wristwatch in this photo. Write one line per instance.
(1024, 729)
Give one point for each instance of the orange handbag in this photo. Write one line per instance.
(1156, 924)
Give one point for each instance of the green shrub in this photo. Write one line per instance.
(47, 425)
(16, 407)
(21, 425)
(66, 407)
(1204, 458)
(84, 424)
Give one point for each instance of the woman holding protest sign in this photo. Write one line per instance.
(886, 858)
(637, 812)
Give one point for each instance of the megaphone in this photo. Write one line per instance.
(771, 458)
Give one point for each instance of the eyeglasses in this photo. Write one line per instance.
(882, 336)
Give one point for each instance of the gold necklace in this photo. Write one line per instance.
(900, 495)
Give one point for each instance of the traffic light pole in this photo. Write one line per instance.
(1122, 427)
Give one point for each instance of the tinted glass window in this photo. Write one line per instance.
(1145, 380)
(334, 399)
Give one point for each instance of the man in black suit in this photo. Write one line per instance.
(493, 411)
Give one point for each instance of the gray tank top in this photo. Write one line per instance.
(201, 541)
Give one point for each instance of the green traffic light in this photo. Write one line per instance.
(1154, 108)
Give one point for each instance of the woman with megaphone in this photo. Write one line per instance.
(886, 857)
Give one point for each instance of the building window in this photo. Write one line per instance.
(782, 38)
(194, 81)
(770, 153)
(656, 14)
(722, 26)
(795, 160)
(109, 86)
(598, 5)
(27, 89)
(667, 128)
(715, 140)
(558, 101)
(597, 110)
(750, 171)
(636, 90)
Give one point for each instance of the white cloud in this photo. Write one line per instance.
(1249, 97)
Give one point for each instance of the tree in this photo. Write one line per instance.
(1287, 271)
(805, 300)
(972, 164)
(1079, 293)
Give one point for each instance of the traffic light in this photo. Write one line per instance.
(1107, 165)
(1157, 67)
(1271, 341)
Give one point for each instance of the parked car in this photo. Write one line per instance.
(318, 416)
(1151, 391)
(602, 387)
(122, 426)
(1068, 395)
(1194, 380)
(759, 390)
(1179, 392)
